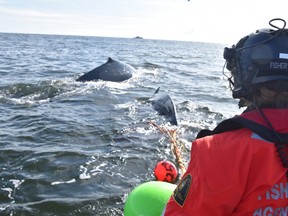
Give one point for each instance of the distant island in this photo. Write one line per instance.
(138, 37)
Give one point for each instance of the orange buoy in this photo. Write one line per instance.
(166, 171)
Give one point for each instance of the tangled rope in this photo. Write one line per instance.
(172, 135)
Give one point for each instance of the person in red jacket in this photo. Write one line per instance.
(240, 167)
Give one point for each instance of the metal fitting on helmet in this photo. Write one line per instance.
(257, 58)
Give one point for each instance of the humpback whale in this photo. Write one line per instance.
(112, 70)
(165, 106)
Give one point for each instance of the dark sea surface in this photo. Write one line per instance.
(73, 148)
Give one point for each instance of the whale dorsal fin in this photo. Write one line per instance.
(110, 60)
(157, 90)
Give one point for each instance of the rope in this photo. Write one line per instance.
(172, 135)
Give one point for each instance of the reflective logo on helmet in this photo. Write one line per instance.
(283, 55)
(182, 190)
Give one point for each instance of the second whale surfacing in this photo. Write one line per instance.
(112, 70)
(165, 106)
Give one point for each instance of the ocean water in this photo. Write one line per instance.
(71, 148)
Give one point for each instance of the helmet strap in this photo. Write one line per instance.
(280, 144)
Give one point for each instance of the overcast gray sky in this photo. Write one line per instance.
(223, 21)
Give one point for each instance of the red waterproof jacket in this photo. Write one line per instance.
(235, 172)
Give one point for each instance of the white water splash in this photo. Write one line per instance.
(16, 183)
(87, 172)
(64, 182)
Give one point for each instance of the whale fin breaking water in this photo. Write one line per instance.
(165, 106)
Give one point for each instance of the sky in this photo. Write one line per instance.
(222, 21)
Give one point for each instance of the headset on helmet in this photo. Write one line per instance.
(257, 58)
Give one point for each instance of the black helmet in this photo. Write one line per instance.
(257, 58)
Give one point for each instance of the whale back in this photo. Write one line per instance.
(112, 70)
